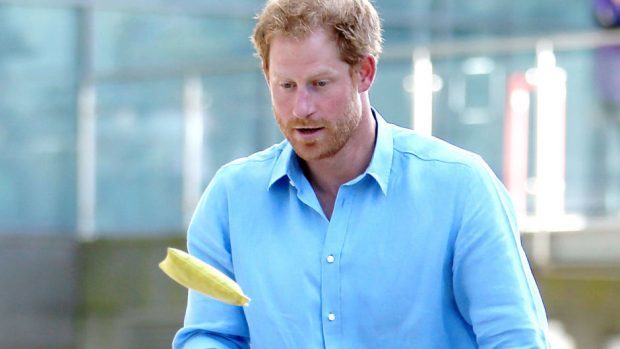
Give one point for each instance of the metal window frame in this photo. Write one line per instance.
(210, 8)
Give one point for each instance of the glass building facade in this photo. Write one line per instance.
(115, 115)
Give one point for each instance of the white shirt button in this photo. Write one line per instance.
(331, 317)
(330, 259)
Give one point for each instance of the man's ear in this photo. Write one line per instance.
(366, 70)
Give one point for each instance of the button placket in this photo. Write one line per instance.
(330, 274)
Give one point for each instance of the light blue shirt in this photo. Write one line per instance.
(422, 251)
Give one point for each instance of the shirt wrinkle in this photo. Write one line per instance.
(385, 261)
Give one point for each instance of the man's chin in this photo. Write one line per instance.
(314, 153)
(307, 154)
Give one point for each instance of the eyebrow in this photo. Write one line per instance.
(318, 74)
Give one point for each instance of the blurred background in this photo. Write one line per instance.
(114, 115)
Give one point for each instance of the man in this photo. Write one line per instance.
(354, 233)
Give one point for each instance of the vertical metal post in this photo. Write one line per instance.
(86, 129)
(422, 92)
(193, 106)
(550, 134)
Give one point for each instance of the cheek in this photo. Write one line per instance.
(280, 111)
(279, 101)
(338, 102)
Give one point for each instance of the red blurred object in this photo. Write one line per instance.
(516, 135)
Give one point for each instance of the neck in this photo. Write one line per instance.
(327, 175)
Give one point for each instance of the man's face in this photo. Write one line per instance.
(315, 100)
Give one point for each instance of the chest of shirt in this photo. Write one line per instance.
(283, 240)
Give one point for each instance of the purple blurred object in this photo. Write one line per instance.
(607, 12)
(607, 72)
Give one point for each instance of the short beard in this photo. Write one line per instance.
(342, 130)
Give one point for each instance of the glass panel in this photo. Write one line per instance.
(593, 132)
(139, 159)
(37, 119)
(141, 61)
(471, 114)
(240, 120)
(142, 41)
(469, 107)
(389, 94)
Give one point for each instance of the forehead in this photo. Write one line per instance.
(317, 51)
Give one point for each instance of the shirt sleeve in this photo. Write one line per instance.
(210, 323)
(207, 340)
(493, 285)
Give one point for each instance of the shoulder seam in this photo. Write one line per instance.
(429, 159)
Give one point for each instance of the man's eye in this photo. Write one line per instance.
(321, 83)
(286, 85)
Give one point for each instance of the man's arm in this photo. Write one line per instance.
(210, 323)
(493, 284)
(188, 338)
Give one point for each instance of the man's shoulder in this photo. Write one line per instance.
(255, 166)
(410, 143)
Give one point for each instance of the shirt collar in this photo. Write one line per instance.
(285, 165)
(380, 165)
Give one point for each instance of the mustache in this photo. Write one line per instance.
(305, 123)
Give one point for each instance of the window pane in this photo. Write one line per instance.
(139, 159)
(143, 41)
(239, 118)
(37, 119)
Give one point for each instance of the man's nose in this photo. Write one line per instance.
(303, 103)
